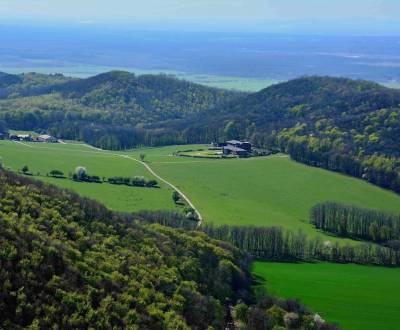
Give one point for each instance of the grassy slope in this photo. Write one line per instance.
(257, 191)
(46, 157)
(266, 191)
(356, 297)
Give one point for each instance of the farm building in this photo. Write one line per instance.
(231, 150)
(46, 138)
(20, 137)
(240, 144)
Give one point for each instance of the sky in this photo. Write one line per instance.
(252, 12)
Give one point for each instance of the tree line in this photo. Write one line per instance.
(283, 245)
(278, 244)
(355, 222)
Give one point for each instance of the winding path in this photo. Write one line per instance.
(187, 199)
(148, 168)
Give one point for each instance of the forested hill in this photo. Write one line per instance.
(340, 124)
(344, 125)
(69, 263)
(109, 110)
(171, 98)
(314, 98)
(26, 84)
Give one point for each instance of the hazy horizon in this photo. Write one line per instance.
(285, 16)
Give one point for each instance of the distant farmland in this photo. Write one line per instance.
(356, 297)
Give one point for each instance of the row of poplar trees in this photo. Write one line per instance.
(354, 222)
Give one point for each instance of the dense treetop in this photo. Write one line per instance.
(68, 261)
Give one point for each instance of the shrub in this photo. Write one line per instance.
(151, 183)
(56, 174)
(176, 197)
(138, 181)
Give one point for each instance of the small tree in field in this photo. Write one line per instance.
(1, 163)
(176, 197)
(25, 169)
(142, 157)
(80, 173)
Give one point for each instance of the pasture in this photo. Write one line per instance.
(356, 297)
(265, 191)
(42, 158)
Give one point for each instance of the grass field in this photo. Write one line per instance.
(255, 191)
(264, 191)
(43, 158)
(356, 297)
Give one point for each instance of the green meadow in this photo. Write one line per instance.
(356, 297)
(42, 158)
(267, 191)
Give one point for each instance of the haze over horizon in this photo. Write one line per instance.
(317, 16)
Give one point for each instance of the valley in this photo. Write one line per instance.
(259, 191)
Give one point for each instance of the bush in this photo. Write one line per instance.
(151, 183)
(138, 181)
(56, 174)
(176, 197)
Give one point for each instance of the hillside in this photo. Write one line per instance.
(109, 110)
(340, 124)
(27, 84)
(343, 125)
(67, 261)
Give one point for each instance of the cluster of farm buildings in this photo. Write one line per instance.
(29, 138)
(234, 147)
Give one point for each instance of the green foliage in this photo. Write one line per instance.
(137, 181)
(68, 262)
(277, 244)
(176, 196)
(350, 221)
(111, 110)
(56, 173)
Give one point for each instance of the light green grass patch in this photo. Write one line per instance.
(356, 297)
(266, 191)
(41, 158)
